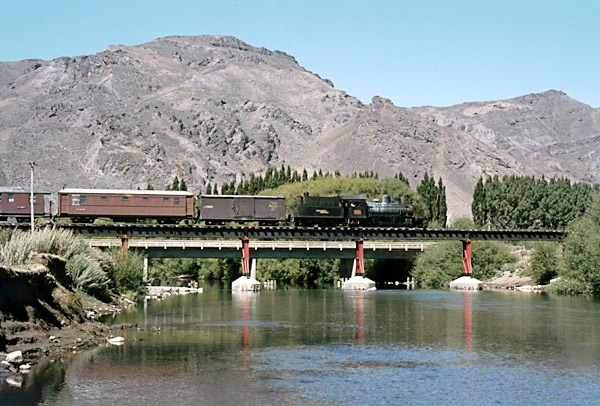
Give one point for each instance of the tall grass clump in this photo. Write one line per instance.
(86, 266)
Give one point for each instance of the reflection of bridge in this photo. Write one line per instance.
(332, 242)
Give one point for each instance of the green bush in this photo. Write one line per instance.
(582, 254)
(545, 263)
(127, 272)
(304, 272)
(442, 263)
(571, 286)
(438, 265)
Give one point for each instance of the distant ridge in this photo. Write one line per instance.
(214, 108)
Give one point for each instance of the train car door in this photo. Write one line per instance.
(243, 207)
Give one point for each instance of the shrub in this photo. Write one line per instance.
(127, 270)
(85, 266)
(582, 255)
(442, 263)
(545, 263)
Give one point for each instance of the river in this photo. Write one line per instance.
(330, 347)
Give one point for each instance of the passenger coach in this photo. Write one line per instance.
(125, 205)
(14, 203)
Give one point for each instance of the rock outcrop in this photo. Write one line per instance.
(214, 109)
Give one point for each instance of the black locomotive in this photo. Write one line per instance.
(353, 210)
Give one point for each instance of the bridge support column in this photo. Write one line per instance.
(145, 272)
(467, 270)
(466, 281)
(125, 244)
(246, 282)
(358, 280)
(246, 257)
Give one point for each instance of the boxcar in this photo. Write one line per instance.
(222, 208)
(125, 205)
(324, 211)
(14, 203)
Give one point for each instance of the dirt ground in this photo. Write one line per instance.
(43, 317)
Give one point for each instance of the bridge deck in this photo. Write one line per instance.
(299, 233)
(266, 249)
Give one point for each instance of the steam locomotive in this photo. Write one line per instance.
(86, 205)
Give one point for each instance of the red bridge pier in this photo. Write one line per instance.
(246, 282)
(467, 270)
(358, 280)
(466, 281)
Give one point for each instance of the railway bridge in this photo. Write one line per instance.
(348, 243)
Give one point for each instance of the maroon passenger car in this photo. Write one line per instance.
(14, 203)
(125, 205)
(223, 208)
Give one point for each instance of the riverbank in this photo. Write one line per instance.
(41, 316)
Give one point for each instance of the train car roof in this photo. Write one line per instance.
(353, 197)
(256, 197)
(15, 189)
(125, 192)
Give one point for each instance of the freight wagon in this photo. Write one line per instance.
(217, 209)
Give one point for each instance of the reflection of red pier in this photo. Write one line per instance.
(359, 314)
(467, 321)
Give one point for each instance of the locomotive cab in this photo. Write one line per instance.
(355, 209)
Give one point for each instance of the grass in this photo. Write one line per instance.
(87, 267)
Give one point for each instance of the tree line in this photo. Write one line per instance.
(524, 202)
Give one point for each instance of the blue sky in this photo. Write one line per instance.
(418, 52)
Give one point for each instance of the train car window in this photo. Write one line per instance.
(144, 198)
(165, 198)
(104, 197)
(11, 198)
(75, 200)
(176, 201)
(83, 200)
(0, 198)
(34, 198)
(125, 198)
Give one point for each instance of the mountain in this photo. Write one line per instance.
(213, 109)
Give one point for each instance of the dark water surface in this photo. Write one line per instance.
(330, 347)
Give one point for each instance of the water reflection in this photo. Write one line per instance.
(359, 315)
(334, 347)
(245, 300)
(467, 320)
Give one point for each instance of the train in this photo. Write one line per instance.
(164, 206)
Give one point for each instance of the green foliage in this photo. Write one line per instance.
(582, 254)
(304, 272)
(219, 269)
(87, 274)
(127, 270)
(545, 263)
(440, 264)
(87, 267)
(522, 202)
(5, 235)
(489, 257)
(433, 199)
(571, 286)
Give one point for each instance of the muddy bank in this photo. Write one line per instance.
(41, 315)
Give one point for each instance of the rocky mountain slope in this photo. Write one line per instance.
(214, 109)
